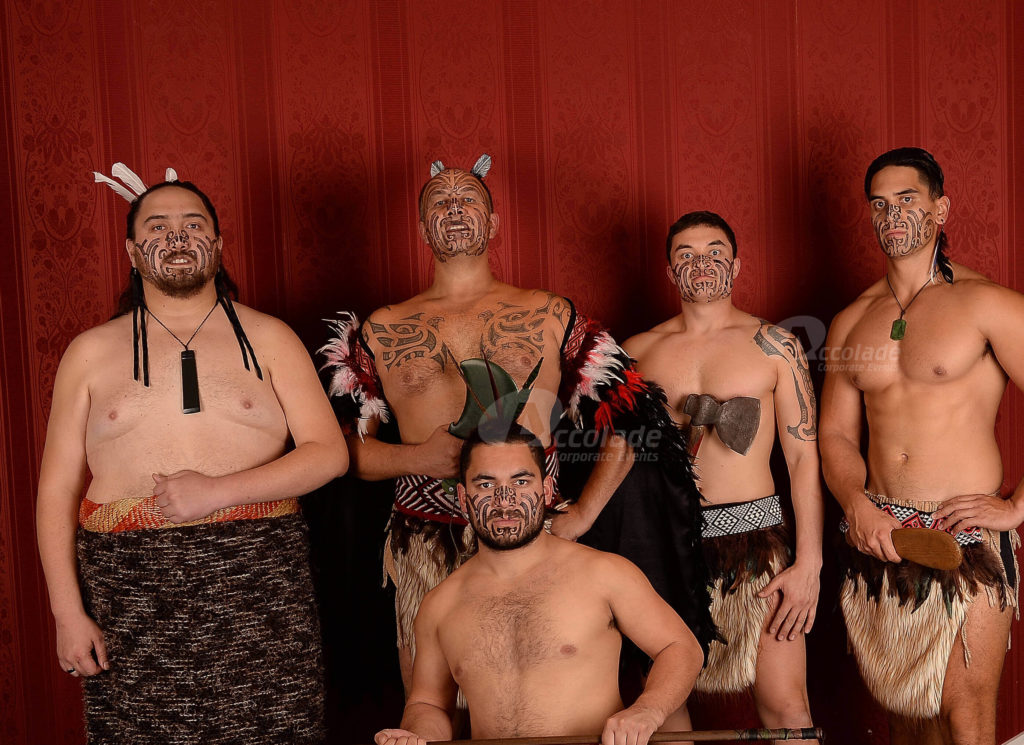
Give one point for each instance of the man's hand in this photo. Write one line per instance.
(398, 737)
(570, 523)
(77, 638)
(632, 726)
(185, 495)
(795, 611)
(871, 531)
(979, 511)
(438, 456)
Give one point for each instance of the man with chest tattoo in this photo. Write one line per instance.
(925, 354)
(404, 362)
(735, 379)
(189, 610)
(530, 628)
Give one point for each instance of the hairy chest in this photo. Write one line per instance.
(510, 634)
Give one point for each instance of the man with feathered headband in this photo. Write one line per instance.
(412, 361)
(925, 353)
(189, 611)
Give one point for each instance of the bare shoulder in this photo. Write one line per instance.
(642, 344)
(776, 341)
(537, 301)
(845, 320)
(266, 330)
(95, 346)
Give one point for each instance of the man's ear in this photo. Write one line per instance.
(463, 498)
(129, 246)
(671, 275)
(549, 490)
(736, 267)
(942, 212)
(493, 229)
(423, 232)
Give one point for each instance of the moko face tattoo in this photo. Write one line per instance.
(174, 248)
(901, 229)
(702, 264)
(455, 215)
(505, 516)
(904, 215)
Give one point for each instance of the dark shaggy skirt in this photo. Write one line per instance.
(211, 631)
(647, 521)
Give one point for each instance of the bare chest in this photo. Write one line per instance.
(723, 369)
(231, 397)
(419, 354)
(513, 633)
(936, 348)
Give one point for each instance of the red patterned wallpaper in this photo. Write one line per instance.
(312, 124)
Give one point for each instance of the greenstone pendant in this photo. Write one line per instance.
(899, 328)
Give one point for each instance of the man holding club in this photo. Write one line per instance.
(926, 354)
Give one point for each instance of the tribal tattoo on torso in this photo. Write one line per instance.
(513, 335)
(774, 342)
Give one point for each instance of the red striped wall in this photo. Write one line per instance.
(312, 124)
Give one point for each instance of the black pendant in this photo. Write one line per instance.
(189, 383)
(899, 328)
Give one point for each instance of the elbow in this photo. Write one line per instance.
(341, 460)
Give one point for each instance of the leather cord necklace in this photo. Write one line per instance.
(189, 375)
(899, 326)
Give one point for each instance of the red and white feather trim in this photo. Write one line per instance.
(353, 372)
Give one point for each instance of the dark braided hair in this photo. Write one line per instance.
(931, 173)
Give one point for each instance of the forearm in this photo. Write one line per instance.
(56, 525)
(373, 460)
(427, 720)
(297, 472)
(615, 458)
(808, 509)
(1017, 501)
(671, 677)
(844, 469)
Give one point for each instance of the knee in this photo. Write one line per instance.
(784, 711)
(970, 725)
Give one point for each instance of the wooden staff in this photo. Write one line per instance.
(706, 735)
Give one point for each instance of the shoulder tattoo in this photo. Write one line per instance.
(775, 343)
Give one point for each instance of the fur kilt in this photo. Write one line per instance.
(419, 554)
(739, 567)
(212, 635)
(902, 619)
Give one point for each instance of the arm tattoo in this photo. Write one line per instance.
(409, 339)
(774, 343)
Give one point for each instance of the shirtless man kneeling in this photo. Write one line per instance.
(529, 628)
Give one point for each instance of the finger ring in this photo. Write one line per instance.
(70, 671)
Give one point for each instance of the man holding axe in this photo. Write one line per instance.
(925, 353)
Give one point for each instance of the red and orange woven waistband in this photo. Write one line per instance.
(143, 514)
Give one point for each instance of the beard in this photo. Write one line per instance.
(507, 538)
(153, 260)
(182, 285)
